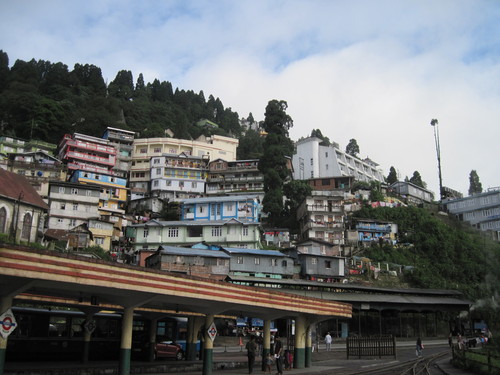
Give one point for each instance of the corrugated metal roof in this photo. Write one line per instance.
(187, 223)
(219, 199)
(186, 251)
(237, 250)
(16, 187)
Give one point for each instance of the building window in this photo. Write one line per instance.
(75, 206)
(194, 185)
(273, 262)
(314, 261)
(312, 161)
(3, 219)
(59, 220)
(244, 231)
(216, 231)
(99, 241)
(156, 161)
(156, 183)
(284, 264)
(143, 151)
(173, 232)
(63, 206)
(72, 223)
(74, 191)
(239, 260)
(146, 232)
(158, 171)
(61, 189)
(328, 264)
(157, 150)
(26, 231)
(88, 193)
(256, 261)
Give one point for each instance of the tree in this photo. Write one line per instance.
(123, 85)
(325, 141)
(296, 192)
(352, 148)
(251, 145)
(393, 176)
(475, 186)
(274, 163)
(416, 179)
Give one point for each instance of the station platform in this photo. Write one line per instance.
(233, 361)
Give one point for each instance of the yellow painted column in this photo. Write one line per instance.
(308, 351)
(300, 342)
(266, 345)
(87, 336)
(5, 304)
(208, 346)
(126, 341)
(194, 325)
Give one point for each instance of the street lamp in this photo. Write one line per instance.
(434, 124)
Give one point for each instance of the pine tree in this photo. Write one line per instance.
(475, 186)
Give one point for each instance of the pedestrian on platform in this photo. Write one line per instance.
(419, 347)
(251, 350)
(269, 362)
(278, 354)
(328, 341)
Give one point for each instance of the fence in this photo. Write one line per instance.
(372, 346)
(483, 361)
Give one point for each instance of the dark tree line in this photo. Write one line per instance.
(44, 100)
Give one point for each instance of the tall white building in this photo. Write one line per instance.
(313, 160)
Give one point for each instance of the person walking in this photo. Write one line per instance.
(251, 348)
(328, 341)
(419, 347)
(278, 354)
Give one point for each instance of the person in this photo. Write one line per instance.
(450, 340)
(269, 362)
(419, 347)
(278, 354)
(288, 360)
(251, 348)
(328, 341)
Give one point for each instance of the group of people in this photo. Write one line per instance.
(282, 358)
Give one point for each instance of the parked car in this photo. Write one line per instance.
(169, 349)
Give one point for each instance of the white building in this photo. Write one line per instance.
(411, 193)
(480, 210)
(178, 176)
(313, 160)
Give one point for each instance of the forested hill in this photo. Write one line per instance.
(44, 100)
(445, 253)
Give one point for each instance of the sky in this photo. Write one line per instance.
(374, 71)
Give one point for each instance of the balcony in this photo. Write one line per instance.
(110, 150)
(92, 158)
(89, 168)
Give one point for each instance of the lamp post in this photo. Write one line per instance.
(434, 124)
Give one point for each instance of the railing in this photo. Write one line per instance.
(484, 359)
(373, 346)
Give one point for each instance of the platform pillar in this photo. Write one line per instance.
(308, 351)
(152, 340)
(193, 328)
(126, 341)
(300, 342)
(208, 346)
(5, 304)
(87, 336)
(266, 343)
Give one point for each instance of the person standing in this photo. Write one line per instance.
(328, 341)
(278, 354)
(251, 348)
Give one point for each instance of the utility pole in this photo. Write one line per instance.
(434, 124)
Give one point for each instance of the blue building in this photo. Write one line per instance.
(243, 208)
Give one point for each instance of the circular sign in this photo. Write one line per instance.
(7, 323)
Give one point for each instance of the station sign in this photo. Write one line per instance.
(212, 331)
(7, 323)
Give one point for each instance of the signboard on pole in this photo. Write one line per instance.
(212, 331)
(7, 323)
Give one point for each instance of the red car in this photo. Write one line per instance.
(169, 349)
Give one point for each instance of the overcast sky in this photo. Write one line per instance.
(376, 71)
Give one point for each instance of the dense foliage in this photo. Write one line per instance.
(475, 186)
(44, 100)
(445, 253)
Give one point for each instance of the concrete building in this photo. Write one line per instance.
(22, 210)
(234, 177)
(87, 153)
(312, 160)
(16, 145)
(174, 177)
(230, 233)
(321, 216)
(481, 210)
(369, 231)
(145, 148)
(122, 141)
(245, 208)
(410, 193)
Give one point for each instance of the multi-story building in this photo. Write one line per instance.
(86, 153)
(22, 210)
(102, 233)
(319, 260)
(145, 148)
(321, 216)
(234, 177)
(174, 177)
(481, 210)
(245, 208)
(15, 145)
(71, 204)
(39, 168)
(369, 231)
(411, 193)
(312, 160)
(230, 233)
(122, 141)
